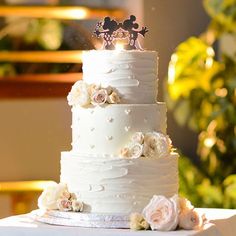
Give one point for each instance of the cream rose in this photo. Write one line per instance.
(156, 145)
(190, 219)
(137, 222)
(113, 98)
(79, 94)
(49, 197)
(77, 206)
(99, 97)
(92, 88)
(185, 204)
(137, 137)
(162, 213)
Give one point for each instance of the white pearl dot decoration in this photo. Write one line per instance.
(127, 111)
(109, 138)
(92, 129)
(91, 146)
(127, 128)
(110, 119)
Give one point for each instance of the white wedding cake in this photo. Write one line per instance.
(121, 155)
(122, 171)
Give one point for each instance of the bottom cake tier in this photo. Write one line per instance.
(118, 185)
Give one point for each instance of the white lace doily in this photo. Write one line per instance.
(81, 219)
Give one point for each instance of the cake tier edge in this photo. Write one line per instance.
(118, 185)
(105, 130)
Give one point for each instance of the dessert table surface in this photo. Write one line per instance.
(222, 222)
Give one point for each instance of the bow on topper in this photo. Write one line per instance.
(111, 31)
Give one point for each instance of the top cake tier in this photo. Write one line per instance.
(132, 72)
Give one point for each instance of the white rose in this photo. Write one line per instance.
(77, 206)
(99, 97)
(113, 98)
(79, 94)
(64, 204)
(134, 151)
(156, 145)
(48, 198)
(190, 219)
(162, 213)
(138, 137)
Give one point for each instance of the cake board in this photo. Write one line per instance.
(82, 219)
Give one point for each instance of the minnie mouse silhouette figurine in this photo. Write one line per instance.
(130, 26)
(109, 27)
(111, 30)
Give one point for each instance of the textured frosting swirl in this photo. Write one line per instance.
(133, 73)
(116, 185)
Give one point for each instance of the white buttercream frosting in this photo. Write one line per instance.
(107, 129)
(133, 73)
(116, 185)
(94, 170)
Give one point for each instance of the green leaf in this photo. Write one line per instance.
(181, 113)
(50, 35)
(192, 66)
(223, 12)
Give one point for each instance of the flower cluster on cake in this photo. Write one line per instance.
(122, 170)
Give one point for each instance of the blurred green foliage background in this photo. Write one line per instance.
(202, 95)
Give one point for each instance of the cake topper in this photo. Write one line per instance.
(112, 31)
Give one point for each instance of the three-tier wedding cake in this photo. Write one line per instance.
(121, 155)
(122, 161)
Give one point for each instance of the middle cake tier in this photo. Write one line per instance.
(105, 130)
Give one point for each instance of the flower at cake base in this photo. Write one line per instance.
(137, 137)
(137, 222)
(185, 204)
(48, 198)
(190, 219)
(77, 205)
(113, 98)
(134, 151)
(64, 204)
(162, 213)
(156, 145)
(99, 97)
(79, 94)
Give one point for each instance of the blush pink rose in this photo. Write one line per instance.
(64, 204)
(190, 219)
(99, 97)
(162, 213)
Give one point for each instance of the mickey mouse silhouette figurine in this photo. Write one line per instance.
(109, 27)
(111, 30)
(130, 26)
